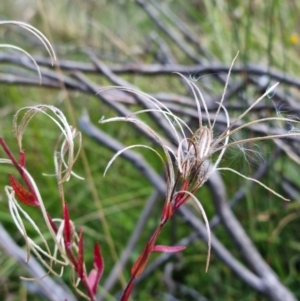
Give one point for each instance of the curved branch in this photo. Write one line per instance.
(273, 288)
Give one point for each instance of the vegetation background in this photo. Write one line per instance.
(267, 34)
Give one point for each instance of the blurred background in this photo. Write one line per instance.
(141, 43)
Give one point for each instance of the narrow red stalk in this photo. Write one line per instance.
(83, 278)
(181, 198)
(127, 290)
(81, 273)
(77, 263)
(80, 260)
(67, 227)
(140, 264)
(54, 227)
(30, 197)
(22, 159)
(167, 212)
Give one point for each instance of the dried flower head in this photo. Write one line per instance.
(64, 148)
(190, 163)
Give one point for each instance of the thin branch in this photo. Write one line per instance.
(158, 69)
(171, 34)
(272, 286)
(182, 27)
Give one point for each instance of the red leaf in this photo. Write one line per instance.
(67, 227)
(98, 259)
(24, 196)
(92, 280)
(80, 270)
(167, 249)
(96, 273)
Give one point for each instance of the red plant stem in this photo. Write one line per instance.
(167, 213)
(142, 264)
(73, 260)
(72, 257)
(20, 168)
(22, 159)
(127, 290)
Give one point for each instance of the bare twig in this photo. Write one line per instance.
(171, 34)
(182, 27)
(272, 286)
(158, 69)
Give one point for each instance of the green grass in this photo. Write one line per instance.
(264, 35)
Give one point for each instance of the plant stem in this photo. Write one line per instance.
(20, 168)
